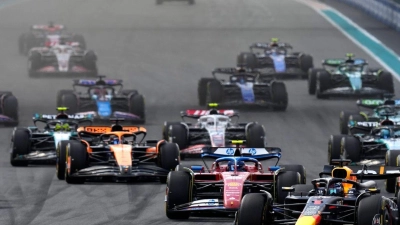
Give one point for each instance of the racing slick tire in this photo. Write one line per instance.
(77, 158)
(137, 107)
(247, 60)
(169, 158)
(334, 147)
(385, 82)
(61, 153)
(255, 209)
(323, 84)
(306, 63)
(279, 96)
(391, 160)
(179, 188)
(286, 179)
(25, 43)
(351, 148)
(178, 134)
(202, 90)
(21, 146)
(368, 207)
(60, 94)
(215, 92)
(89, 60)
(255, 136)
(69, 100)
(358, 118)
(9, 108)
(297, 168)
(166, 128)
(35, 62)
(312, 80)
(80, 39)
(344, 121)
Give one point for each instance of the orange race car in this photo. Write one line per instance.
(114, 153)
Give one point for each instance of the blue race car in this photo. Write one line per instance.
(348, 77)
(243, 87)
(100, 99)
(33, 145)
(276, 59)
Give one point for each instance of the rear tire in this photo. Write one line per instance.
(35, 63)
(179, 187)
(255, 209)
(215, 92)
(169, 158)
(21, 146)
(344, 121)
(312, 80)
(323, 84)
(69, 100)
(279, 96)
(334, 147)
(61, 162)
(299, 169)
(247, 60)
(10, 109)
(177, 133)
(202, 90)
(77, 155)
(351, 148)
(137, 107)
(255, 136)
(306, 63)
(80, 39)
(385, 82)
(391, 160)
(90, 59)
(285, 179)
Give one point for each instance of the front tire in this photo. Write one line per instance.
(137, 107)
(279, 96)
(179, 187)
(391, 160)
(61, 153)
(77, 159)
(255, 136)
(21, 146)
(255, 209)
(169, 158)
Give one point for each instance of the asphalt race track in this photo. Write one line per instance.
(162, 51)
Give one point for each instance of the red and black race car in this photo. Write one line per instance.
(235, 172)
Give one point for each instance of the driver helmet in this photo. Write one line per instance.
(213, 112)
(274, 42)
(384, 133)
(114, 140)
(336, 189)
(350, 58)
(240, 166)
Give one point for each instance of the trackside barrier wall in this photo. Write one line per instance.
(387, 11)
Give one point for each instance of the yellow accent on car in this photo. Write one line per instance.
(237, 142)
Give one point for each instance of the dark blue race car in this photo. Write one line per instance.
(243, 87)
(103, 101)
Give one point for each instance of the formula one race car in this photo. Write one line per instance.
(47, 35)
(34, 145)
(159, 2)
(115, 153)
(221, 187)
(8, 109)
(364, 121)
(242, 88)
(214, 128)
(277, 59)
(103, 100)
(62, 59)
(379, 147)
(349, 77)
(342, 198)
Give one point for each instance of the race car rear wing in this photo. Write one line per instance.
(256, 153)
(373, 103)
(337, 62)
(90, 83)
(235, 71)
(197, 113)
(267, 45)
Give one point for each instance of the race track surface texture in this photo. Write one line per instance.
(162, 51)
